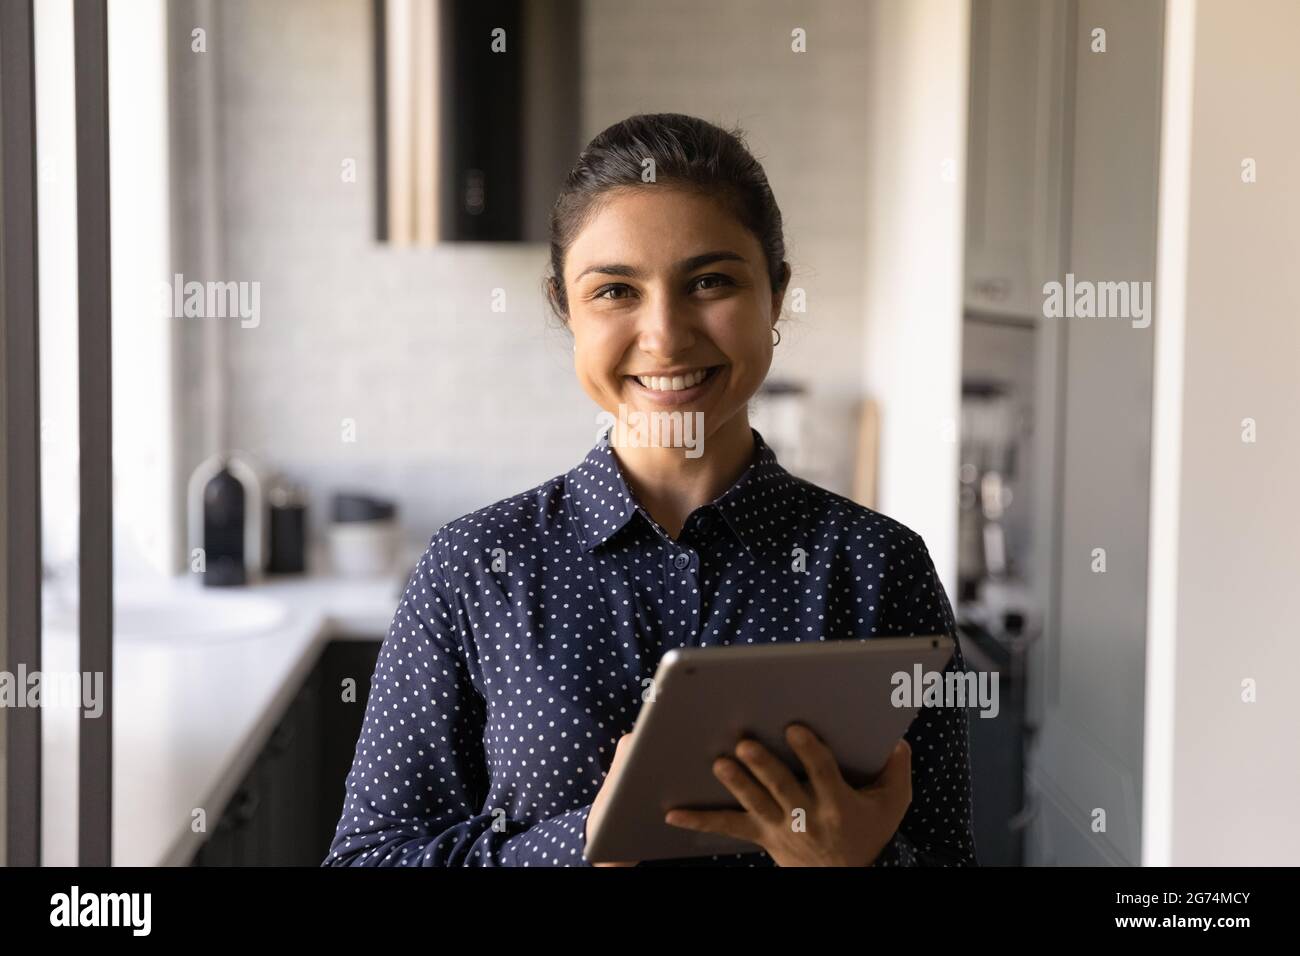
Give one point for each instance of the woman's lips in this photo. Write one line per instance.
(679, 396)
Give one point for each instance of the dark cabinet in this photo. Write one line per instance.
(284, 811)
(997, 748)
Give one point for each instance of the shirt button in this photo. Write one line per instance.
(682, 561)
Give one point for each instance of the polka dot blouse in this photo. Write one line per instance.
(516, 657)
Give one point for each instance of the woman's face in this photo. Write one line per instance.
(670, 306)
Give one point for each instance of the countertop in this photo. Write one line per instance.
(192, 712)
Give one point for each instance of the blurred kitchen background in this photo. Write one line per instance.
(382, 177)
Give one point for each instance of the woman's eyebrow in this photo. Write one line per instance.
(706, 258)
(685, 265)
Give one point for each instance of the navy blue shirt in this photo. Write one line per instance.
(516, 658)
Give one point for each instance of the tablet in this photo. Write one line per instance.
(704, 699)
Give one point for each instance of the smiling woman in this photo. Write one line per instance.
(515, 664)
(668, 266)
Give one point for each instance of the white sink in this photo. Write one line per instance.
(199, 615)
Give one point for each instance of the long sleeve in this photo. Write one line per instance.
(936, 830)
(419, 777)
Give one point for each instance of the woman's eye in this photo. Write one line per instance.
(714, 280)
(606, 292)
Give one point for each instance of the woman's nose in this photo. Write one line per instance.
(665, 328)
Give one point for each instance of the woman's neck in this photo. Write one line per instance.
(670, 485)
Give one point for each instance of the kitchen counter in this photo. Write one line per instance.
(194, 704)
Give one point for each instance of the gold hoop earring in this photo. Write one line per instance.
(777, 333)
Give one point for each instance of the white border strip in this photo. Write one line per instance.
(1167, 425)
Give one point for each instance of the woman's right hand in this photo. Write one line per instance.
(602, 795)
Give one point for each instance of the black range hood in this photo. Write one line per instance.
(478, 112)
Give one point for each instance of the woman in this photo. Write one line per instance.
(514, 664)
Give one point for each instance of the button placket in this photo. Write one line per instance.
(681, 596)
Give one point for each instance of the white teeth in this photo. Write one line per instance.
(676, 383)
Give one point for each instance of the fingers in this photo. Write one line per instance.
(621, 748)
(819, 762)
(896, 776)
(752, 795)
(732, 823)
(772, 773)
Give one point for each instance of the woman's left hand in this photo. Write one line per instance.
(824, 822)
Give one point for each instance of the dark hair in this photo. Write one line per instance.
(688, 153)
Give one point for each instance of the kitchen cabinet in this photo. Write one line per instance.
(1089, 668)
(286, 807)
(1014, 154)
(1086, 672)
(997, 748)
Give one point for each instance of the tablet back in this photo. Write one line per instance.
(706, 698)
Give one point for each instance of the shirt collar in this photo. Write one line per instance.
(755, 507)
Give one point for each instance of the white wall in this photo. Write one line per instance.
(56, 206)
(919, 53)
(144, 451)
(1223, 776)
